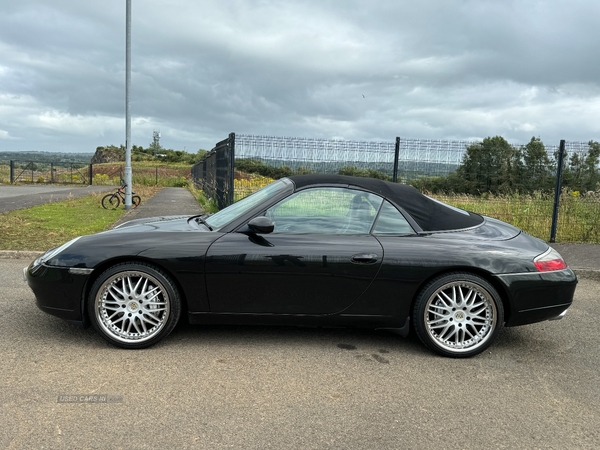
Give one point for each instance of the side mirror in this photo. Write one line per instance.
(261, 225)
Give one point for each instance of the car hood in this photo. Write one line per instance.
(159, 223)
(134, 238)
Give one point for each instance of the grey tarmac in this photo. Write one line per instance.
(255, 387)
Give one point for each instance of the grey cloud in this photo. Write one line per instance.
(353, 69)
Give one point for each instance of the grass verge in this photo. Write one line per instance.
(209, 205)
(45, 226)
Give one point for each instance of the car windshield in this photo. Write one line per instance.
(239, 208)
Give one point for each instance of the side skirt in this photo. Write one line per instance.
(336, 320)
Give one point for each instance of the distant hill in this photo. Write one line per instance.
(46, 157)
(407, 170)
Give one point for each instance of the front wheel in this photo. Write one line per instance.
(110, 201)
(458, 315)
(135, 201)
(134, 305)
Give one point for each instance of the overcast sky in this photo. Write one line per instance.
(344, 69)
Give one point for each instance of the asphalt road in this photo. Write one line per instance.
(256, 387)
(19, 197)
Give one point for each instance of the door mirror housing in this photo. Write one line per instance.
(261, 225)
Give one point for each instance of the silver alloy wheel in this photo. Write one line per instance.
(460, 316)
(132, 306)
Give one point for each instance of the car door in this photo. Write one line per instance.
(318, 260)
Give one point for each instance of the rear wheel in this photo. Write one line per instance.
(110, 201)
(134, 305)
(458, 315)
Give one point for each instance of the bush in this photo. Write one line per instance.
(254, 166)
(365, 173)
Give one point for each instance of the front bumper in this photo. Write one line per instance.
(538, 296)
(58, 291)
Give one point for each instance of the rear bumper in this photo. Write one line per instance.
(535, 297)
(560, 316)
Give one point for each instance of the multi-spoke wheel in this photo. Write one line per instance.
(134, 305)
(110, 201)
(458, 314)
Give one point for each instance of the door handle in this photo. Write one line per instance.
(364, 258)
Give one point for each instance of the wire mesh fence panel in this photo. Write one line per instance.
(429, 158)
(578, 217)
(214, 173)
(513, 183)
(42, 172)
(5, 172)
(307, 155)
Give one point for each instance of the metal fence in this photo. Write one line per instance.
(44, 172)
(416, 158)
(214, 173)
(47, 172)
(316, 155)
(566, 214)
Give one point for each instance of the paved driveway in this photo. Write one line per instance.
(286, 388)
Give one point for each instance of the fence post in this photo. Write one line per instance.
(12, 172)
(231, 168)
(557, 190)
(156, 178)
(396, 157)
(91, 174)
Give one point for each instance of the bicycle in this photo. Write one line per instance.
(112, 201)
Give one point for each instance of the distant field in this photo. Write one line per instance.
(145, 173)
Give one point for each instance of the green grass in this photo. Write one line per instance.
(52, 224)
(209, 205)
(46, 226)
(578, 217)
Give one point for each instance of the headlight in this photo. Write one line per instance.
(53, 252)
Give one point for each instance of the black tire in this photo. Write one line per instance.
(134, 305)
(135, 201)
(458, 314)
(110, 201)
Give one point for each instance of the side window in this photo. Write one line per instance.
(326, 211)
(391, 221)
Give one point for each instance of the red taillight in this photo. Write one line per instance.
(549, 266)
(549, 261)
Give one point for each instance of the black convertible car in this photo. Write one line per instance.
(316, 250)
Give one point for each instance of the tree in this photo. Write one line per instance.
(487, 166)
(581, 171)
(537, 167)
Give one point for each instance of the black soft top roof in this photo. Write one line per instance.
(430, 214)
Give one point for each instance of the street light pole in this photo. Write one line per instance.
(127, 174)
